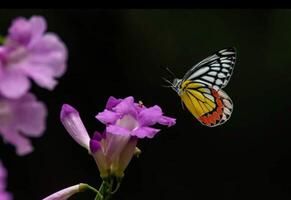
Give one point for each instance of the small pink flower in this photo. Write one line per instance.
(66, 193)
(29, 52)
(21, 118)
(126, 122)
(72, 122)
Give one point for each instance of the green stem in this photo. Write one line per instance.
(2, 40)
(116, 188)
(103, 189)
(85, 186)
(91, 188)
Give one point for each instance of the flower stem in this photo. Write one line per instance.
(84, 186)
(104, 190)
(116, 188)
(90, 188)
(2, 40)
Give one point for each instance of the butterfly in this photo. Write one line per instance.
(201, 88)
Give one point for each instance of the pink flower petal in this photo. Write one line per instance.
(51, 52)
(30, 116)
(169, 121)
(112, 102)
(108, 117)
(126, 155)
(20, 31)
(150, 116)
(38, 27)
(21, 143)
(117, 130)
(145, 132)
(153, 115)
(126, 106)
(25, 31)
(42, 75)
(22, 117)
(115, 144)
(72, 122)
(99, 156)
(3, 174)
(5, 196)
(97, 136)
(95, 146)
(64, 194)
(46, 61)
(13, 84)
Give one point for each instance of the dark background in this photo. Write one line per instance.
(123, 53)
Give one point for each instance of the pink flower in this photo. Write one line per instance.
(66, 193)
(21, 118)
(29, 52)
(126, 122)
(125, 117)
(3, 174)
(72, 122)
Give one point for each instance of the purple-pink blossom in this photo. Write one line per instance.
(125, 117)
(66, 193)
(22, 118)
(126, 121)
(74, 125)
(30, 53)
(4, 195)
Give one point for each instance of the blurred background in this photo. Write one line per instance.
(124, 52)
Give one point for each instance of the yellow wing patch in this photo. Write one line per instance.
(210, 103)
(193, 96)
(209, 107)
(204, 108)
(190, 84)
(198, 95)
(188, 102)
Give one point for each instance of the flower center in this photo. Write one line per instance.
(15, 56)
(128, 122)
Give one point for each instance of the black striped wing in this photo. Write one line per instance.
(215, 70)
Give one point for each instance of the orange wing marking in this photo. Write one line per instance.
(215, 115)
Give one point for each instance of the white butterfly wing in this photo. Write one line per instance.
(215, 70)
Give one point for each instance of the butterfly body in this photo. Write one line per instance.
(201, 88)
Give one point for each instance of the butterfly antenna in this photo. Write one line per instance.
(172, 73)
(167, 81)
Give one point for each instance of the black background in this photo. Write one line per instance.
(123, 53)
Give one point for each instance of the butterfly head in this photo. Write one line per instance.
(176, 84)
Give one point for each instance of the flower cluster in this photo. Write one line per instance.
(27, 52)
(126, 121)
